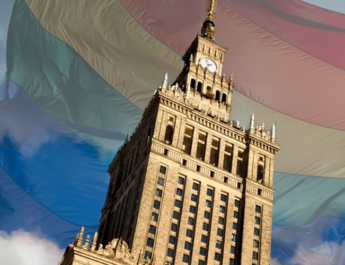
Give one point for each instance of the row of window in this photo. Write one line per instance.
(219, 97)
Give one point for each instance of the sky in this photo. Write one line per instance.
(40, 249)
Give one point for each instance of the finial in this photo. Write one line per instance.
(252, 122)
(86, 243)
(165, 81)
(191, 58)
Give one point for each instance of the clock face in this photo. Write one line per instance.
(209, 64)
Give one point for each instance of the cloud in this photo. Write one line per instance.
(275, 261)
(24, 248)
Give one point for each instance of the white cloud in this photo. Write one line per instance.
(23, 248)
(275, 261)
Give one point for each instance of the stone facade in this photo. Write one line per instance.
(190, 186)
(115, 253)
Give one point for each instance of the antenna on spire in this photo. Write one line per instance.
(211, 9)
(207, 30)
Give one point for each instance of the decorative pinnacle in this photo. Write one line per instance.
(273, 131)
(165, 81)
(252, 122)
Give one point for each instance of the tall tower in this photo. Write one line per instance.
(190, 186)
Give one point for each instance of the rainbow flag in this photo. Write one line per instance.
(80, 73)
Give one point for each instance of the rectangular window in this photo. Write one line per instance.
(162, 169)
(258, 209)
(202, 251)
(233, 249)
(174, 227)
(239, 169)
(256, 231)
(220, 232)
(223, 197)
(156, 204)
(160, 181)
(205, 226)
(217, 256)
(154, 217)
(159, 192)
(192, 209)
(190, 221)
(150, 242)
(204, 239)
(176, 215)
(255, 255)
(172, 240)
(181, 180)
(219, 244)
(214, 154)
(233, 237)
(152, 229)
(232, 261)
(227, 165)
(194, 198)
(185, 258)
(195, 186)
(201, 147)
(256, 243)
(208, 203)
(187, 245)
(221, 220)
(189, 233)
(257, 220)
(187, 140)
(235, 226)
(222, 209)
(148, 254)
(237, 203)
(178, 203)
(170, 252)
(179, 192)
(201, 262)
(209, 192)
(236, 215)
(207, 215)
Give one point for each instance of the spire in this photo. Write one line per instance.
(165, 81)
(252, 122)
(207, 30)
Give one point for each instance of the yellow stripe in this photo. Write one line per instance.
(110, 40)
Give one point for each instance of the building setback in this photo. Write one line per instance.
(190, 186)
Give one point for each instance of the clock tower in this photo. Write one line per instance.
(190, 186)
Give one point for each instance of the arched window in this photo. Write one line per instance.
(148, 135)
(169, 132)
(192, 83)
(224, 98)
(217, 95)
(199, 89)
(260, 173)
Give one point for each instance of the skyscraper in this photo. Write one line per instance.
(189, 186)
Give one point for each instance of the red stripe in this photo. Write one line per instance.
(267, 68)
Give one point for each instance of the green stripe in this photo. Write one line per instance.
(63, 85)
(300, 200)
